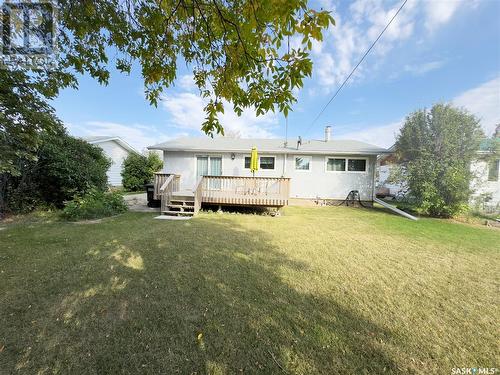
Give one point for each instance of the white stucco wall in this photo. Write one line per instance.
(481, 185)
(317, 182)
(117, 154)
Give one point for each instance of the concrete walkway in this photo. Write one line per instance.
(139, 203)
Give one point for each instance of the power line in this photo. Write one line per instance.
(286, 117)
(358, 64)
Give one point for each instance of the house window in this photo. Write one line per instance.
(247, 162)
(493, 170)
(356, 165)
(335, 165)
(208, 166)
(302, 163)
(267, 162)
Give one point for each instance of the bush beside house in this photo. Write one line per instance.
(64, 167)
(435, 149)
(139, 170)
(94, 204)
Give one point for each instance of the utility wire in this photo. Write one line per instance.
(356, 67)
(286, 117)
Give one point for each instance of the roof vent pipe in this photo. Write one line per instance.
(299, 142)
(328, 133)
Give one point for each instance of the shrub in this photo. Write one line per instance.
(93, 205)
(139, 170)
(435, 149)
(65, 166)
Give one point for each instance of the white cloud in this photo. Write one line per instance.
(484, 102)
(345, 44)
(383, 135)
(186, 111)
(186, 82)
(440, 12)
(424, 68)
(137, 135)
(362, 22)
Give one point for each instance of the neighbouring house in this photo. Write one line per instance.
(115, 149)
(486, 183)
(385, 165)
(312, 169)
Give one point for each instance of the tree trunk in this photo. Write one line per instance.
(4, 178)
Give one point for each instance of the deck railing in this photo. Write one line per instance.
(170, 185)
(159, 180)
(258, 191)
(198, 195)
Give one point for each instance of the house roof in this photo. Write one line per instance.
(488, 144)
(222, 144)
(105, 138)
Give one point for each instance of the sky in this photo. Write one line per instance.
(439, 51)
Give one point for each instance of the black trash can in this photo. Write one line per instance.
(150, 191)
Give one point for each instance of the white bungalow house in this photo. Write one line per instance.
(116, 149)
(325, 169)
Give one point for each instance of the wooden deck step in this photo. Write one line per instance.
(178, 213)
(182, 202)
(183, 195)
(181, 198)
(181, 206)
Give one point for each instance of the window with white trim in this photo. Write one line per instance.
(266, 162)
(247, 162)
(303, 163)
(356, 165)
(335, 165)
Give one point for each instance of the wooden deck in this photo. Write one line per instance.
(221, 190)
(245, 191)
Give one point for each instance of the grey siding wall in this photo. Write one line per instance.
(117, 154)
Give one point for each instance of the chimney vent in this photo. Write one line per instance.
(328, 133)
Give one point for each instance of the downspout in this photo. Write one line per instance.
(284, 165)
(374, 166)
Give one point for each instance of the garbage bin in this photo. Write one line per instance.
(150, 191)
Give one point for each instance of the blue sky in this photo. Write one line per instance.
(435, 51)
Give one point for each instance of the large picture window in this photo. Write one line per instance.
(302, 163)
(335, 165)
(356, 165)
(267, 162)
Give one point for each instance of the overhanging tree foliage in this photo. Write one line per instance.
(24, 116)
(236, 49)
(435, 149)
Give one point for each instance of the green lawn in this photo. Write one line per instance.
(318, 290)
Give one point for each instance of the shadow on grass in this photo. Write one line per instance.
(204, 296)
